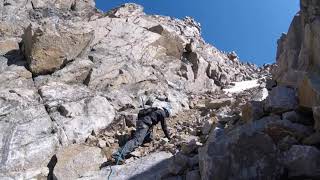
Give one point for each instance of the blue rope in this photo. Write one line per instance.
(118, 160)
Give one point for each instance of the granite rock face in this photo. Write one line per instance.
(28, 136)
(68, 71)
(69, 74)
(76, 110)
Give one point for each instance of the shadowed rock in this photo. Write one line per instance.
(303, 161)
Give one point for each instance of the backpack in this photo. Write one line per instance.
(146, 112)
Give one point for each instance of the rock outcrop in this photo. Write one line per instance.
(28, 136)
(76, 111)
(277, 138)
(251, 151)
(298, 59)
(298, 54)
(281, 99)
(303, 161)
(48, 49)
(74, 161)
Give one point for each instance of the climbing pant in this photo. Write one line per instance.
(149, 136)
(142, 134)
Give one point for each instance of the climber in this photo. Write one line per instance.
(147, 118)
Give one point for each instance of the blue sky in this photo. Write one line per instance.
(250, 27)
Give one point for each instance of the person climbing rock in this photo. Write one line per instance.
(147, 118)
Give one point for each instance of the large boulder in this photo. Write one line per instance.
(249, 151)
(47, 49)
(74, 161)
(153, 166)
(240, 155)
(173, 44)
(76, 111)
(302, 161)
(281, 99)
(298, 117)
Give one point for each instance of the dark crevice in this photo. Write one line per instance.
(88, 78)
(193, 58)
(73, 6)
(51, 71)
(54, 125)
(15, 57)
(6, 4)
(63, 111)
(64, 64)
(32, 5)
(51, 165)
(87, 47)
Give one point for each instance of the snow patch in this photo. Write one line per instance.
(265, 93)
(243, 85)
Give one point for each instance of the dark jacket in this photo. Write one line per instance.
(153, 116)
